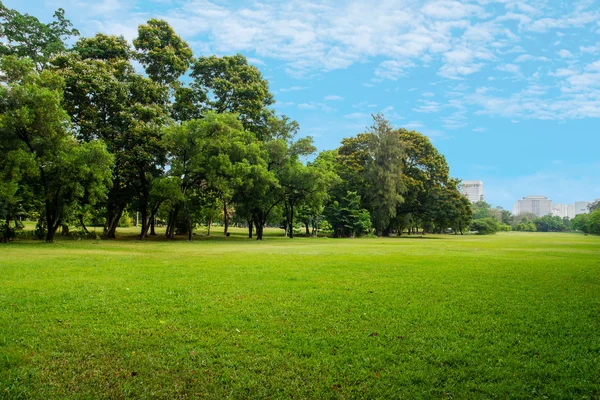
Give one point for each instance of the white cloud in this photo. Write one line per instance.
(479, 129)
(392, 69)
(293, 89)
(512, 68)
(316, 106)
(333, 97)
(529, 57)
(427, 107)
(357, 115)
(565, 54)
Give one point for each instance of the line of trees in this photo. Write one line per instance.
(85, 139)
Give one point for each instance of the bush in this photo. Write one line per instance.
(485, 226)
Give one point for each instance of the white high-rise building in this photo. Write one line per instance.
(581, 207)
(560, 210)
(473, 190)
(538, 205)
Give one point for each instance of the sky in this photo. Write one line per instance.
(508, 91)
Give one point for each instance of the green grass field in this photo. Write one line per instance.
(505, 316)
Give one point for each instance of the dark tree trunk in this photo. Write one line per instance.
(259, 231)
(307, 230)
(387, 232)
(64, 230)
(113, 215)
(190, 230)
(172, 223)
(82, 223)
(250, 229)
(152, 224)
(208, 225)
(225, 219)
(291, 220)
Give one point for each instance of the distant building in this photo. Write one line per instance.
(538, 205)
(473, 190)
(581, 207)
(560, 210)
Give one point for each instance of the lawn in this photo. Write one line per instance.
(512, 315)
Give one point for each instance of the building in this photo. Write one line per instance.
(581, 207)
(560, 210)
(538, 205)
(473, 190)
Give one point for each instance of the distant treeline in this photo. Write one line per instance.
(487, 219)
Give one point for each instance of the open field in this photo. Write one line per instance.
(505, 316)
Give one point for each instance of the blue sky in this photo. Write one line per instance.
(509, 91)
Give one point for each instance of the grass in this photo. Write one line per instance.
(506, 316)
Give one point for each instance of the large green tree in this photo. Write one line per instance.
(33, 123)
(384, 173)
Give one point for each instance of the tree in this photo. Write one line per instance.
(235, 87)
(593, 222)
(33, 123)
(580, 223)
(162, 52)
(108, 101)
(347, 218)
(384, 173)
(24, 35)
(426, 179)
(549, 223)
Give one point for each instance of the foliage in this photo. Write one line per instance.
(33, 124)
(347, 219)
(23, 35)
(549, 223)
(485, 226)
(236, 87)
(162, 52)
(384, 173)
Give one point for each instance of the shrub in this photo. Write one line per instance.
(485, 226)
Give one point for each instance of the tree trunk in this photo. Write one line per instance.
(291, 224)
(250, 229)
(82, 223)
(307, 233)
(172, 223)
(208, 224)
(152, 224)
(64, 230)
(190, 230)
(225, 219)
(259, 231)
(113, 215)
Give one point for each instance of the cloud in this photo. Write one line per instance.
(333, 97)
(427, 107)
(316, 106)
(512, 68)
(357, 115)
(565, 54)
(293, 89)
(479, 129)
(529, 57)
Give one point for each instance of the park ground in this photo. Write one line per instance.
(513, 315)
